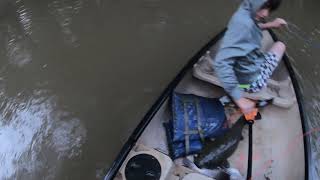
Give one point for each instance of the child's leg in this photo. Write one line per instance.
(271, 61)
(278, 48)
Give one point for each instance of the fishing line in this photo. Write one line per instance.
(285, 33)
(298, 33)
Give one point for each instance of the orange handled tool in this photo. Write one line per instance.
(251, 115)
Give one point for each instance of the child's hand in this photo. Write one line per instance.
(279, 23)
(246, 105)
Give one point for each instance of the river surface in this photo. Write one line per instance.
(76, 76)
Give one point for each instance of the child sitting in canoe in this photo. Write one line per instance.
(239, 64)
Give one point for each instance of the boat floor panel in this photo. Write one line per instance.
(155, 136)
(278, 151)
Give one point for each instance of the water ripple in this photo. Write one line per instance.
(31, 127)
(24, 16)
(17, 48)
(64, 11)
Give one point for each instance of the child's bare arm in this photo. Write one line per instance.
(277, 23)
(246, 105)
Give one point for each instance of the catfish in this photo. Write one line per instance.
(217, 174)
(215, 153)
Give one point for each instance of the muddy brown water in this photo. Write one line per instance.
(76, 76)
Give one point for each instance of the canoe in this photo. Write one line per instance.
(280, 145)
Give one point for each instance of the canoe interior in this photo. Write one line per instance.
(278, 150)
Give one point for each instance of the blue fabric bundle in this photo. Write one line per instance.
(178, 149)
(194, 119)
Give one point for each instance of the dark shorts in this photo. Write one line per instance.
(269, 63)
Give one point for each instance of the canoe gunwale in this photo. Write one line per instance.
(130, 143)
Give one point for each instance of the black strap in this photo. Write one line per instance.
(249, 170)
